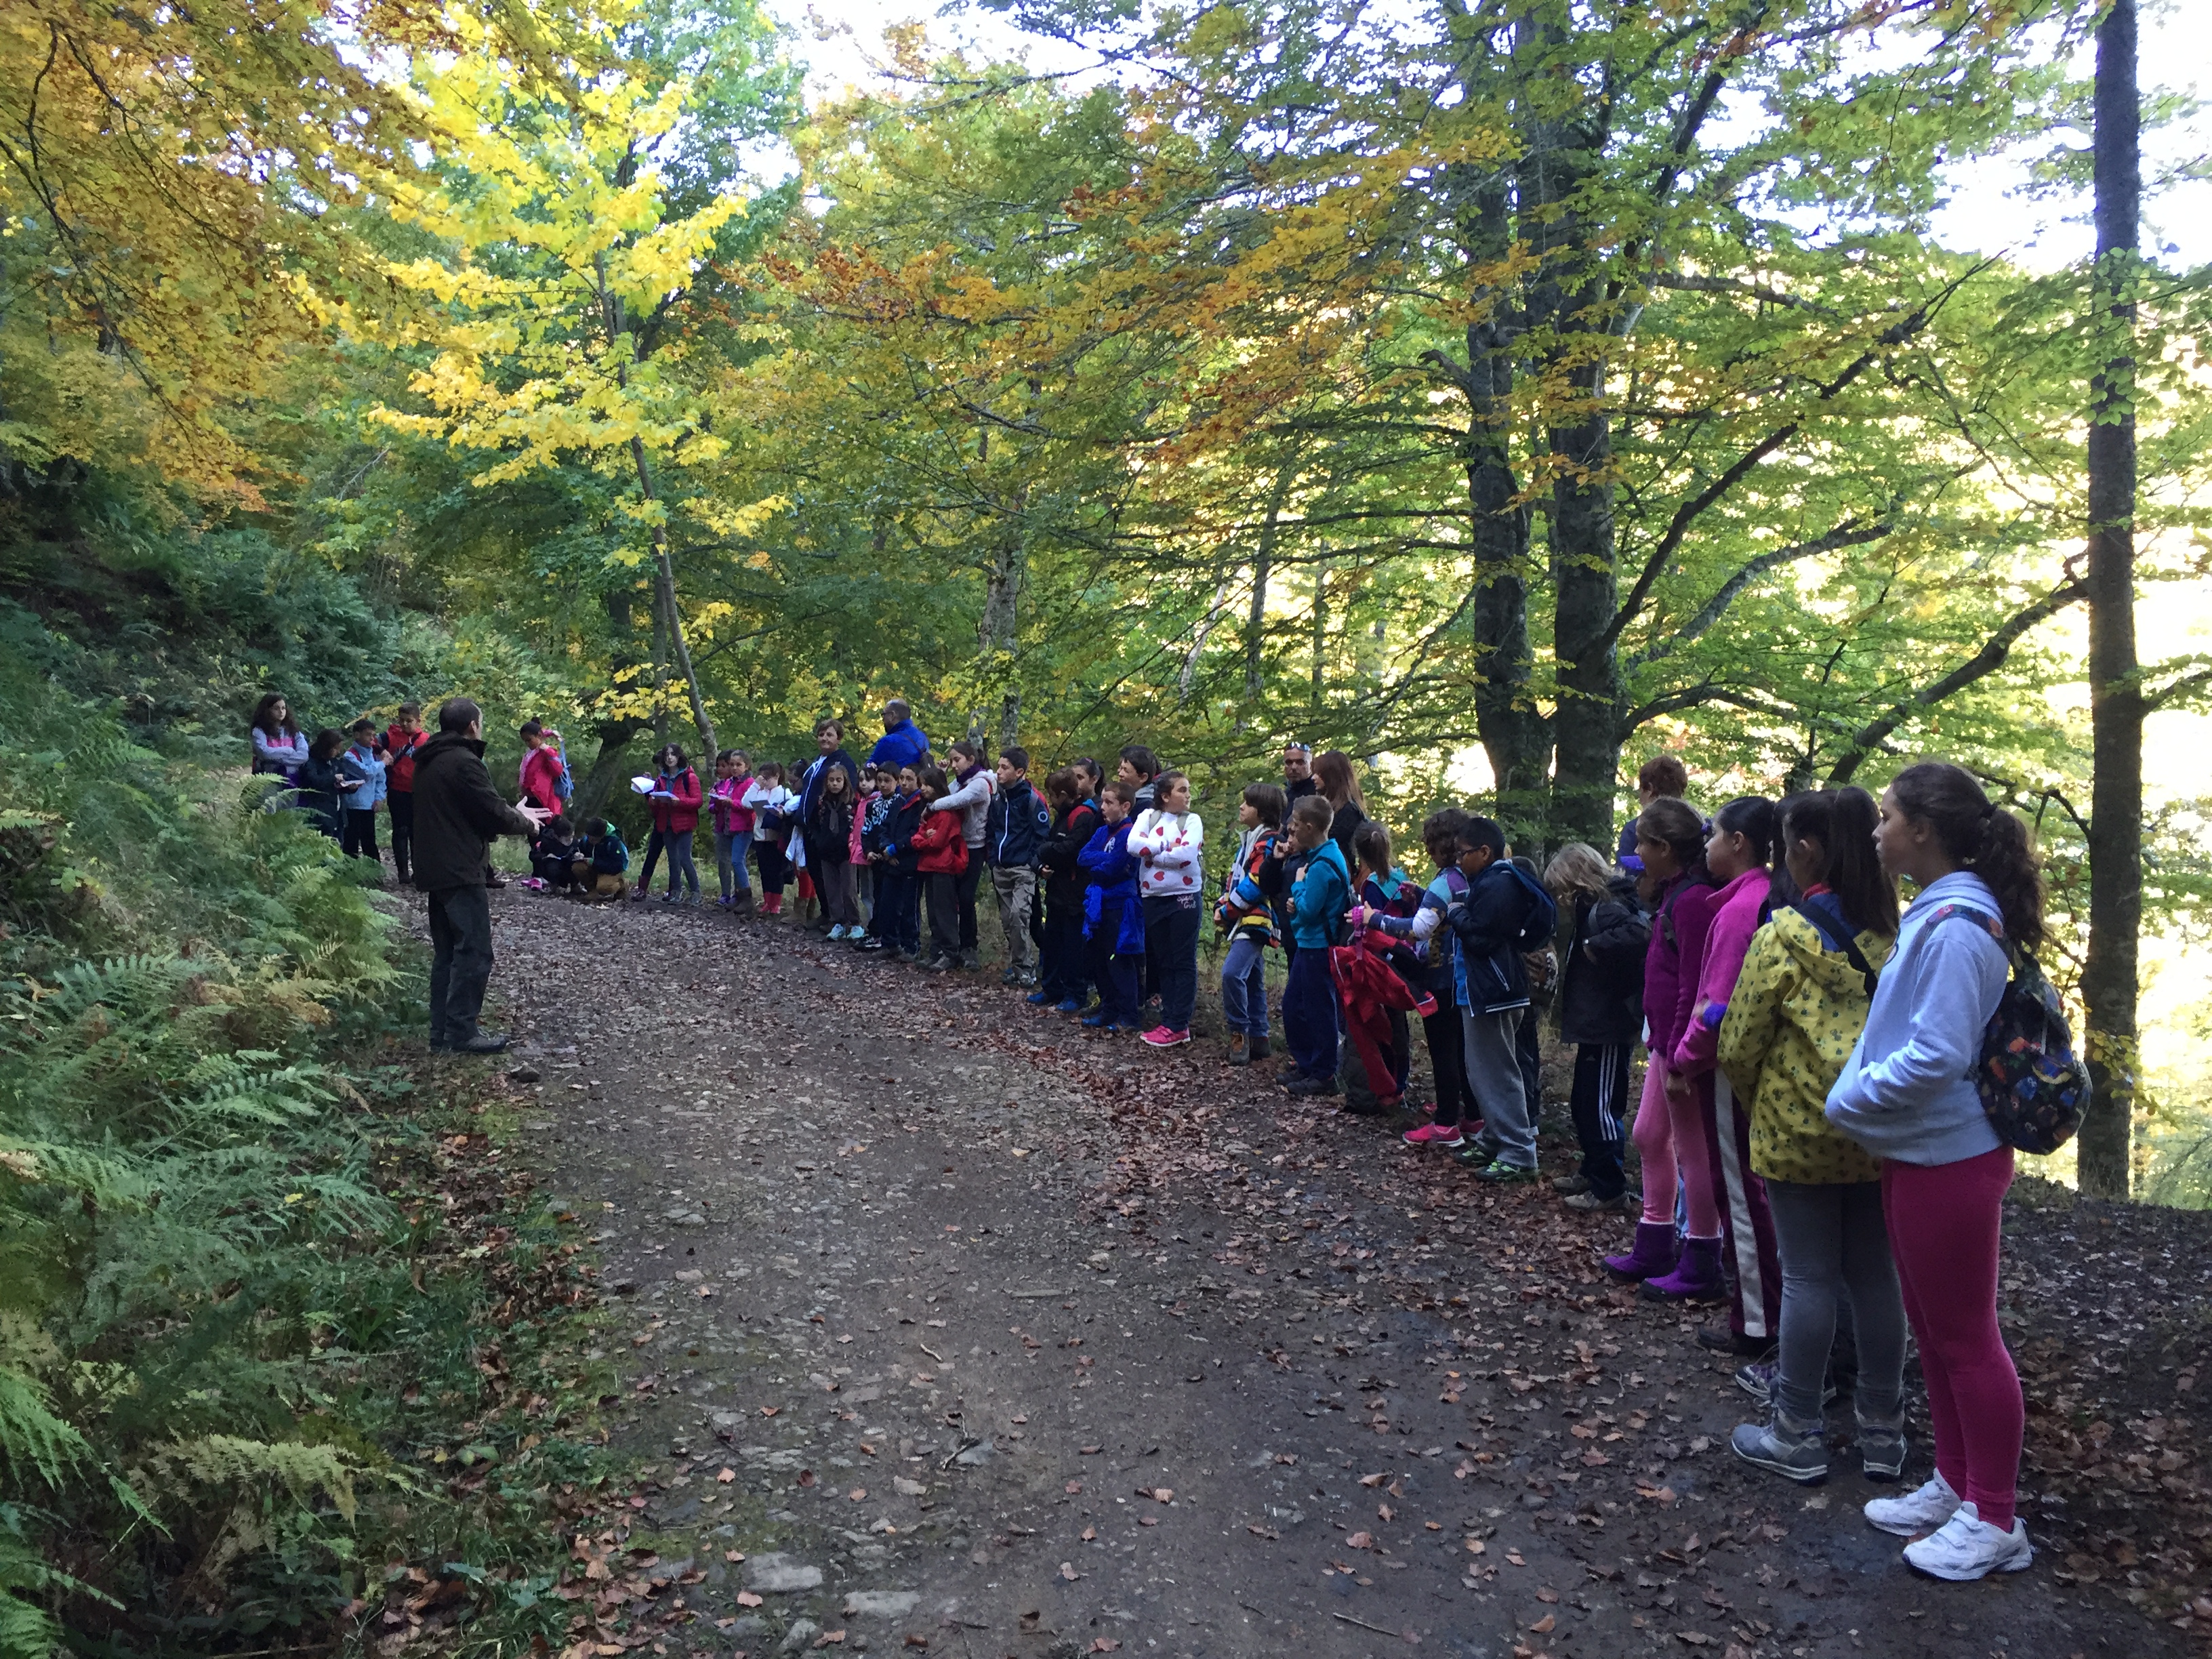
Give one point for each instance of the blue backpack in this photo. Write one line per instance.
(1542, 924)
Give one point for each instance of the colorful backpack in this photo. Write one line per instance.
(2034, 1086)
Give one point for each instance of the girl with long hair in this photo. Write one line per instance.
(1339, 785)
(279, 745)
(1600, 1013)
(1907, 1096)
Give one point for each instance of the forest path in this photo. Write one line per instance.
(1016, 1341)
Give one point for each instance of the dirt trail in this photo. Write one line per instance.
(1013, 1342)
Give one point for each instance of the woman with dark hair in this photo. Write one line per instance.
(279, 746)
(1739, 853)
(1670, 841)
(326, 776)
(1339, 787)
(1799, 1006)
(1907, 1096)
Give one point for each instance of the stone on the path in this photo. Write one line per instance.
(981, 1452)
(881, 1604)
(780, 1575)
(906, 1488)
(802, 1631)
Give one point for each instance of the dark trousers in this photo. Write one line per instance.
(898, 908)
(1448, 1061)
(400, 802)
(840, 901)
(964, 894)
(1309, 1014)
(945, 913)
(1063, 970)
(1172, 946)
(1529, 1049)
(1117, 976)
(1600, 1105)
(359, 840)
(775, 868)
(460, 961)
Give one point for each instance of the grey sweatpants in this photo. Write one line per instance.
(1832, 1239)
(1494, 1075)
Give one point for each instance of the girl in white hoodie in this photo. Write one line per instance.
(1166, 843)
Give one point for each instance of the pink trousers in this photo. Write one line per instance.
(1943, 1231)
(1654, 1134)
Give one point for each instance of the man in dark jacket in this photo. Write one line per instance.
(1297, 772)
(1015, 826)
(457, 814)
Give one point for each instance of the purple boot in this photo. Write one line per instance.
(1696, 1278)
(1653, 1256)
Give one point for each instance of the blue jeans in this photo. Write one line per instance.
(1244, 985)
(731, 847)
(1309, 1014)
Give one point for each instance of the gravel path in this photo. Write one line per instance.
(945, 1326)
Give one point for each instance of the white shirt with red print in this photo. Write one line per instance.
(1169, 845)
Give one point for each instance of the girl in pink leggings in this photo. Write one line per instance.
(1907, 1096)
(1671, 839)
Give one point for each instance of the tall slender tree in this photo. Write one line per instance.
(2116, 700)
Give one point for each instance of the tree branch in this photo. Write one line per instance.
(1986, 661)
(1849, 533)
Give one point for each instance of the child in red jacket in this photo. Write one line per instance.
(943, 853)
(675, 796)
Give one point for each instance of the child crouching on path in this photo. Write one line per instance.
(1246, 916)
(1600, 1013)
(1113, 923)
(1907, 1095)
(1321, 893)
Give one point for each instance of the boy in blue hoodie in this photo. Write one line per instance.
(1113, 920)
(366, 760)
(1491, 923)
(1321, 893)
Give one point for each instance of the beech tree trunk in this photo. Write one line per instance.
(2109, 982)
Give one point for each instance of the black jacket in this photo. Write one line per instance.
(322, 785)
(1601, 981)
(1015, 827)
(1487, 923)
(1071, 831)
(830, 830)
(1343, 826)
(457, 814)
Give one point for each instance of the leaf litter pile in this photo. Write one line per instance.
(1546, 1449)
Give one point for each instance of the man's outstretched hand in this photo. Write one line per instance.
(538, 817)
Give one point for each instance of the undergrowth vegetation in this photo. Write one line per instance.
(283, 1351)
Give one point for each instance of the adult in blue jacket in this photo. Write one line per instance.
(902, 743)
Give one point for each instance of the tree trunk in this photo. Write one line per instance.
(602, 778)
(1506, 718)
(2109, 982)
(677, 645)
(1319, 670)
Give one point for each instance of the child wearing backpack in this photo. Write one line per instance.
(1319, 885)
(1502, 916)
(1799, 1006)
(1600, 1013)
(1908, 1095)
(1739, 853)
(734, 829)
(1670, 844)
(601, 866)
(1244, 915)
(1113, 919)
(1445, 978)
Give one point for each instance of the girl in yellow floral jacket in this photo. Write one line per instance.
(1798, 1009)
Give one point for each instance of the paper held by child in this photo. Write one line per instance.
(641, 786)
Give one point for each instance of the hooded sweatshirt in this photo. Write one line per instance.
(1907, 1092)
(1797, 1010)
(970, 797)
(1735, 911)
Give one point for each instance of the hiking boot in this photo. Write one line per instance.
(970, 960)
(1240, 1049)
(1758, 1379)
(1589, 1202)
(1725, 1338)
(1502, 1174)
(1917, 1511)
(1473, 1154)
(1025, 976)
(1010, 975)
(1966, 1547)
(1161, 1037)
(482, 1044)
(1653, 1254)
(1261, 1046)
(1696, 1278)
(1788, 1448)
(1303, 1085)
(1568, 1186)
(1882, 1445)
(1443, 1135)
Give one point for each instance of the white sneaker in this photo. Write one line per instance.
(1917, 1511)
(1967, 1547)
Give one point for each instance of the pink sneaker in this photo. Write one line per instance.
(1434, 1135)
(1160, 1037)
